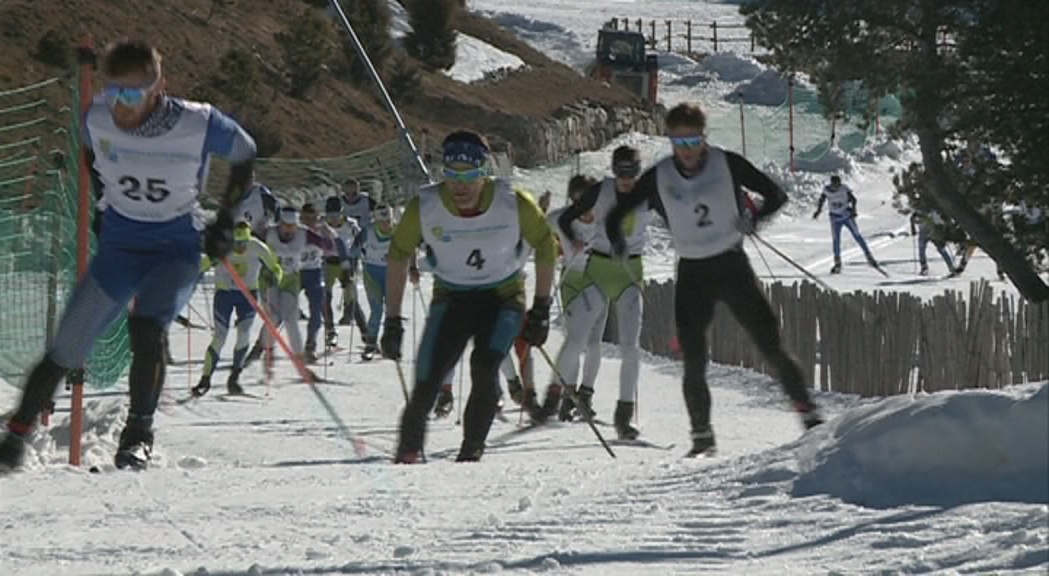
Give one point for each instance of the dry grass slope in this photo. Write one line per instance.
(339, 118)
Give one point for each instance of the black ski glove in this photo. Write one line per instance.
(392, 335)
(218, 236)
(537, 322)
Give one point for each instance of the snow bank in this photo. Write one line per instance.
(767, 89)
(944, 449)
(475, 59)
(732, 67)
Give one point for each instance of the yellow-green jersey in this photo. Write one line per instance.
(247, 265)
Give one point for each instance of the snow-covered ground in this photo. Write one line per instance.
(949, 483)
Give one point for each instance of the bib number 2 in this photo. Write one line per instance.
(154, 191)
(475, 259)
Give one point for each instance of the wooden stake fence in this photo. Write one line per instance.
(880, 343)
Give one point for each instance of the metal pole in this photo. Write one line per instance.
(363, 55)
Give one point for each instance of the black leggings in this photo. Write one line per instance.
(728, 278)
(492, 321)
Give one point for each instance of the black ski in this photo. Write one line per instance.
(639, 443)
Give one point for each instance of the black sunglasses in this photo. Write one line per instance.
(626, 169)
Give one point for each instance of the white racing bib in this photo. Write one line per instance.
(571, 258)
(837, 200)
(375, 247)
(701, 210)
(635, 224)
(150, 179)
(477, 251)
(290, 254)
(247, 264)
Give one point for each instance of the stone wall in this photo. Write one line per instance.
(582, 126)
(532, 142)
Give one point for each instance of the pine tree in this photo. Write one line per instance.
(432, 39)
(371, 22)
(307, 46)
(954, 64)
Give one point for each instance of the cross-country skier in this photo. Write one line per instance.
(248, 258)
(313, 274)
(613, 281)
(374, 244)
(147, 152)
(928, 225)
(585, 314)
(841, 208)
(474, 228)
(358, 206)
(699, 192)
(336, 269)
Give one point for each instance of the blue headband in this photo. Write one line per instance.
(465, 153)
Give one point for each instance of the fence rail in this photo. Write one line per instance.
(880, 343)
(686, 36)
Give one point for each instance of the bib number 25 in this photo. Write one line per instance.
(153, 191)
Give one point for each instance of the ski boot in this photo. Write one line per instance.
(135, 448)
(233, 382)
(516, 390)
(331, 339)
(541, 413)
(370, 349)
(924, 270)
(202, 387)
(836, 269)
(566, 413)
(702, 443)
(810, 414)
(624, 413)
(12, 452)
(254, 354)
(470, 451)
(444, 401)
(584, 402)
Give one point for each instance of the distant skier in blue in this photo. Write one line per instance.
(842, 211)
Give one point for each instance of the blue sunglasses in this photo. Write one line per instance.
(130, 96)
(686, 141)
(464, 175)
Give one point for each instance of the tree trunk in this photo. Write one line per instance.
(928, 107)
(955, 205)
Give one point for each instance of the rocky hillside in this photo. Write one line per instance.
(337, 117)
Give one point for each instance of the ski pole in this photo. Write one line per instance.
(762, 255)
(587, 417)
(357, 442)
(400, 376)
(791, 261)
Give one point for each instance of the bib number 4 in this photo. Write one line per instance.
(154, 191)
(475, 259)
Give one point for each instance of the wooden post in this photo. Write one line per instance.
(688, 37)
(714, 36)
(640, 26)
(652, 30)
(790, 119)
(669, 36)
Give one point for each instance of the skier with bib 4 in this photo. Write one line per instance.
(474, 228)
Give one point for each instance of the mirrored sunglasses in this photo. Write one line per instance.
(130, 96)
(686, 141)
(464, 175)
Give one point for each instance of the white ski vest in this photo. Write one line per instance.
(701, 210)
(837, 200)
(571, 258)
(375, 247)
(290, 254)
(477, 251)
(635, 224)
(157, 182)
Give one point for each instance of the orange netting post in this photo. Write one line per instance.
(86, 53)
